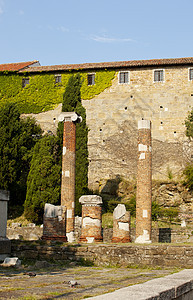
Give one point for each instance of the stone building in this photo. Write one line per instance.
(116, 95)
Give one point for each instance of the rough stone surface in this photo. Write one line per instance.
(54, 220)
(108, 254)
(121, 225)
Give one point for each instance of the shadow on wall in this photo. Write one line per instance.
(109, 193)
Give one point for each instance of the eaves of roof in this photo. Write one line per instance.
(17, 66)
(113, 65)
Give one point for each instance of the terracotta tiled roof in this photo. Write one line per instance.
(118, 64)
(17, 66)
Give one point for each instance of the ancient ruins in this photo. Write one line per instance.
(144, 179)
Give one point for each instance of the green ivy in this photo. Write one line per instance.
(42, 94)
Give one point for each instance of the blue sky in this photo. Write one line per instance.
(78, 31)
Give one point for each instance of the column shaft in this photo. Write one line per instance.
(144, 183)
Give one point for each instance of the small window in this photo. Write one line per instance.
(58, 78)
(91, 79)
(25, 81)
(158, 75)
(124, 77)
(190, 74)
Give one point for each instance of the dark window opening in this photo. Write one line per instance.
(25, 81)
(159, 75)
(123, 77)
(190, 74)
(58, 78)
(91, 79)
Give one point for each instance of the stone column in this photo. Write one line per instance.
(121, 225)
(5, 244)
(54, 223)
(68, 169)
(91, 218)
(144, 183)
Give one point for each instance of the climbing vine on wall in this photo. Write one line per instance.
(42, 93)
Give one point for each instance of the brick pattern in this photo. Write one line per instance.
(144, 183)
(120, 235)
(68, 173)
(93, 229)
(54, 229)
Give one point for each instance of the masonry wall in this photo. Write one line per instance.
(112, 118)
(152, 255)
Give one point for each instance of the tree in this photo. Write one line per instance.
(189, 125)
(16, 148)
(44, 179)
(72, 102)
(188, 171)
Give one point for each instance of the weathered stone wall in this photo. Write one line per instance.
(112, 118)
(152, 255)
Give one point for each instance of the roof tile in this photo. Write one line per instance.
(118, 64)
(17, 66)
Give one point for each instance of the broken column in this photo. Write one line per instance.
(144, 183)
(68, 169)
(121, 225)
(91, 218)
(54, 223)
(5, 244)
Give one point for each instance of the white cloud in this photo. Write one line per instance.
(105, 39)
(63, 29)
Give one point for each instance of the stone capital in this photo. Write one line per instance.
(69, 117)
(90, 200)
(4, 195)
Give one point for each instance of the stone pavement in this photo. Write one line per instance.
(51, 280)
(176, 286)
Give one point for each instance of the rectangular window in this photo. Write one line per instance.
(124, 77)
(58, 78)
(91, 79)
(190, 74)
(25, 81)
(158, 75)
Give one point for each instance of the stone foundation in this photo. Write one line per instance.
(91, 219)
(121, 225)
(54, 223)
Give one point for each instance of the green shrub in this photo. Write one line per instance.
(16, 148)
(188, 172)
(44, 179)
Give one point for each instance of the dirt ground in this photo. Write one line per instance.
(51, 281)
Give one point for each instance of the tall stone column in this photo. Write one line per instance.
(144, 183)
(68, 169)
(91, 218)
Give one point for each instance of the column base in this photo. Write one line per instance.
(5, 248)
(91, 239)
(54, 238)
(121, 240)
